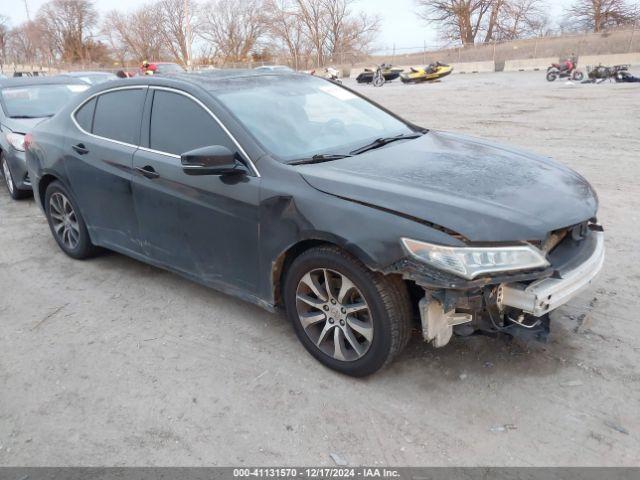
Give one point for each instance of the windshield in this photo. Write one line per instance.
(35, 101)
(301, 116)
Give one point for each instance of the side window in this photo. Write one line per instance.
(179, 125)
(84, 116)
(118, 115)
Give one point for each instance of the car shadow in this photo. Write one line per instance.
(477, 356)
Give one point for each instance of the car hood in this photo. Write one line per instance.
(22, 125)
(483, 191)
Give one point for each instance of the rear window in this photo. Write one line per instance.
(37, 101)
(118, 114)
(84, 116)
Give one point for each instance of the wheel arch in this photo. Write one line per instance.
(283, 261)
(44, 182)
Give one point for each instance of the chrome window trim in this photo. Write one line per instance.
(166, 154)
(213, 115)
(146, 149)
(88, 99)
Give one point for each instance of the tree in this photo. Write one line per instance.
(178, 22)
(348, 34)
(467, 21)
(286, 30)
(67, 26)
(521, 18)
(459, 20)
(598, 15)
(234, 27)
(136, 34)
(4, 38)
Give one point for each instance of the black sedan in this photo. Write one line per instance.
(290, 191)
(24, 103)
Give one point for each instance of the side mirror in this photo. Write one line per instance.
(213, 160)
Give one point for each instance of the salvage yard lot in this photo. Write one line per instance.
(113, 362)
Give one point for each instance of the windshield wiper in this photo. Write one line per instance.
(319, 158)
(381, 142)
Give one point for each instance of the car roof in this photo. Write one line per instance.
(209, 80)
(81, 74)
(28, 81)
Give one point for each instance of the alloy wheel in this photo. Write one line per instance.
(334, 314)
(7, 176)
(64, 220)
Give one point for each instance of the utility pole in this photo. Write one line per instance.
(188, 33)
(26, 7)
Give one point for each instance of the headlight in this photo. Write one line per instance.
(16, 140)
(469, 262)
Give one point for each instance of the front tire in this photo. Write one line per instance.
(551, 76)
(66, 223)
(8, 180)
(349, 318)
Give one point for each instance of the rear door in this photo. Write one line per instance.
(204, 226)
(99, 164)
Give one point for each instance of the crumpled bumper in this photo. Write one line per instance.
(547, 294)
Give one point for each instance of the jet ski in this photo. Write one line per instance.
(388, 72)
(434, 71)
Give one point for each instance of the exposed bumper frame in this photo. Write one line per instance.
(544, 295)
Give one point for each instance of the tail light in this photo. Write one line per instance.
(28, 138)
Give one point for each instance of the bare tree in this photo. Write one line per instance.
(460, 20)
(346, 33)
(178, 23)
(286, 30)
(598, 15)
(470, 21)
(521, 18)
(136, 34)
(25, 44)
(313, 16)
(233, 27)
(4, 38)
(67, 25)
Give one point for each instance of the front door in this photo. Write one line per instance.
(203, 226)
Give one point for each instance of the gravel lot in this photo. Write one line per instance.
(112, 362)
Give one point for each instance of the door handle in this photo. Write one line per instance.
(80, 148)
(148, 171)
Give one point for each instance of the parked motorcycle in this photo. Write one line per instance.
(566, 69)
(434, 71)
(388, 73)
(618, 73)
(600, 73)
(621, 74)
(333, 75)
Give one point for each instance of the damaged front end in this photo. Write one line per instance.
(517, 303)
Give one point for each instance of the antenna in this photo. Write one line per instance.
(26, 7)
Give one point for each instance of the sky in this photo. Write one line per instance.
(400, 25)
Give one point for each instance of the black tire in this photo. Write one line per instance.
(386, 296)
(8, 181)
(84, 248)
(578, 76)
(551, 76)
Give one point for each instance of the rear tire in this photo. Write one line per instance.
(375, 323)
(66, 223)
(578, 76)
(5, 171)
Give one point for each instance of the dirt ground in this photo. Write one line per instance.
(112, 362)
